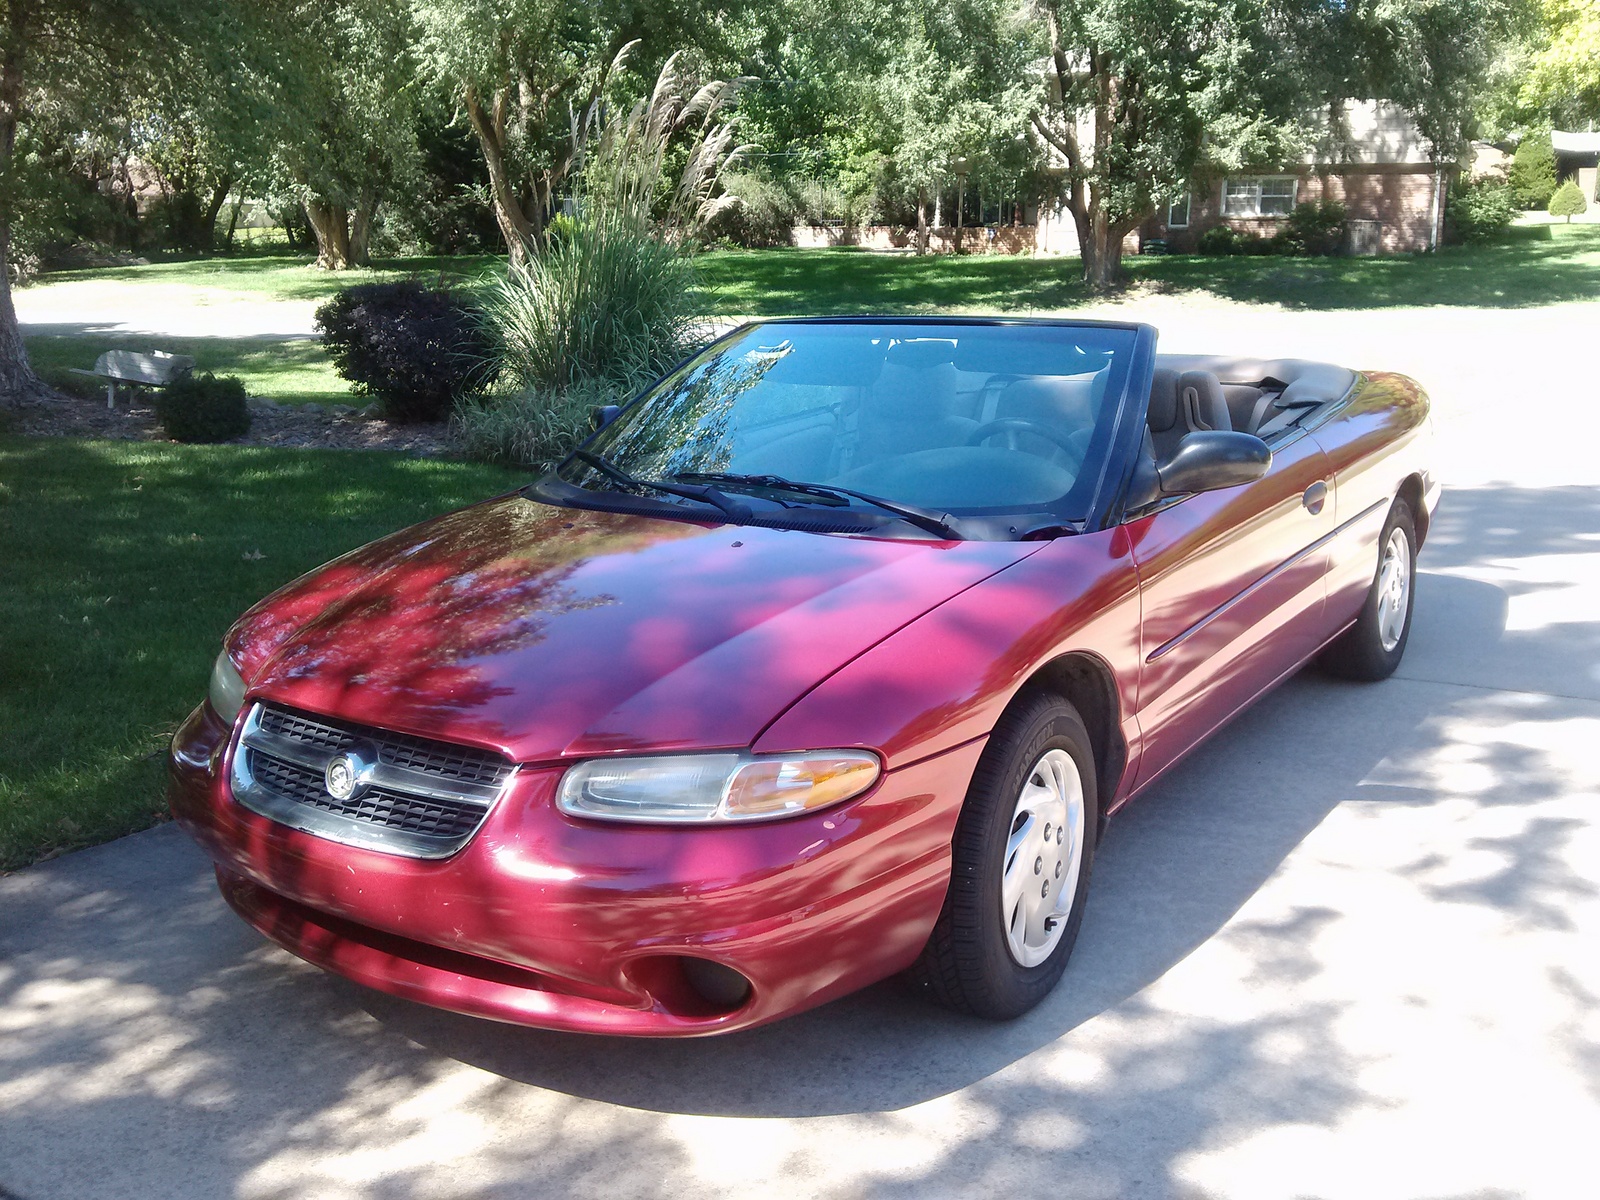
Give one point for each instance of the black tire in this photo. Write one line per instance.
(967, 964)
(1359, 652)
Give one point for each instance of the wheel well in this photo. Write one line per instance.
(1411, 492)
(1086, 683)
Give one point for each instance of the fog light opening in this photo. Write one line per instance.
(722, 987)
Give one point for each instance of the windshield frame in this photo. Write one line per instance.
(1124, 409)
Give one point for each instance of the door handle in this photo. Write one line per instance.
(1316, 496)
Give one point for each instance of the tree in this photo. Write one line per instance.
(72, 57)
(1533, 171)
(1568, 202)
(524, 72)
(1140, 96)
(1563, 76)
(934, 119)
(347, 115)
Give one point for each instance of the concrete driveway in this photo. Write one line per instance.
(1347, 950)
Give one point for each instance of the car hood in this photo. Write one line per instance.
(548, 632)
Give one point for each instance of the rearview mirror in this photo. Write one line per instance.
(1207, 460)
(602, 415)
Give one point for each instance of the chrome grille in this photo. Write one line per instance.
(413, 796)
(397, 749)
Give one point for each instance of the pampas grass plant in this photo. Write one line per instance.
(611, 302)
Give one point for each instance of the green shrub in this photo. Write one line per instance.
(560, 227)
(609, 301)
(1314, 229)
(1255, 245)
(1481, 211)
(1219, 240)
(1568, 202)
(1532, 175)
(203, 408)
(415, 348)
(764, 213)
(535, 427)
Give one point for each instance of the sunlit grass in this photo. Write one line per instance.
(121, 565)
(289, 370)
(276, 276)
(1535, 265)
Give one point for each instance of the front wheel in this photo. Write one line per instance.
(1019, 866)
(1371, 649)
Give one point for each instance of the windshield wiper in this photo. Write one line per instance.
(732, 509)
(942, 524)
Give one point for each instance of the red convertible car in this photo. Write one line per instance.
(827, 658)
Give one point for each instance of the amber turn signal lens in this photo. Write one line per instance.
(780, 787)
(709, 789)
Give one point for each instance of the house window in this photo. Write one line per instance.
(1259, 196)
(1178, 213)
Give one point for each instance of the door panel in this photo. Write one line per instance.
(1371, 445)
(1232, 590)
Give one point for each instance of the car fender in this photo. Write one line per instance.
(944, 679)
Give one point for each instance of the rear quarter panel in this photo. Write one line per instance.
(1376, 442)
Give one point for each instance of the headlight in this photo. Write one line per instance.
(227, 689)
(699, 789)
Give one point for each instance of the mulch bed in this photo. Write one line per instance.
(271, 425)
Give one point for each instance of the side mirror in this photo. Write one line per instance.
(1207, 460)
(602, 415)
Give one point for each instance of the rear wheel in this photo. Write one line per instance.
(1019, 866)
(1372, 648)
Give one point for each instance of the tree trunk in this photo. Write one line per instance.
(922, 221)
(1100, 244)
(490, 128)
(17, 380)
(961, 210)
(330, 223)
(206, 234)
(233, 217)
(361, 230)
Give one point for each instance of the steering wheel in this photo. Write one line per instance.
(1016, 425)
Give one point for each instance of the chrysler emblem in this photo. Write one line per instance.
(343, 775)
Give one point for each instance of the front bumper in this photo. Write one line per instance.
(575, 925)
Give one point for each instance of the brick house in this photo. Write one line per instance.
(1381, 172)
(1578, 159)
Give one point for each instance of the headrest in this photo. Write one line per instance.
(922, 353)
(1204, 404)
(1163, 400)
(1049, 398)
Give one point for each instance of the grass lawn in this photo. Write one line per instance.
(290, 370)
(1534, 265)
(275, 276)
(124, 563)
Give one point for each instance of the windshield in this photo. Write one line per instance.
(962, 419)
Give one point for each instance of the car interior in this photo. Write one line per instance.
(1266, 398)
(929, 420)
(1247, 395)
(956, 421)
